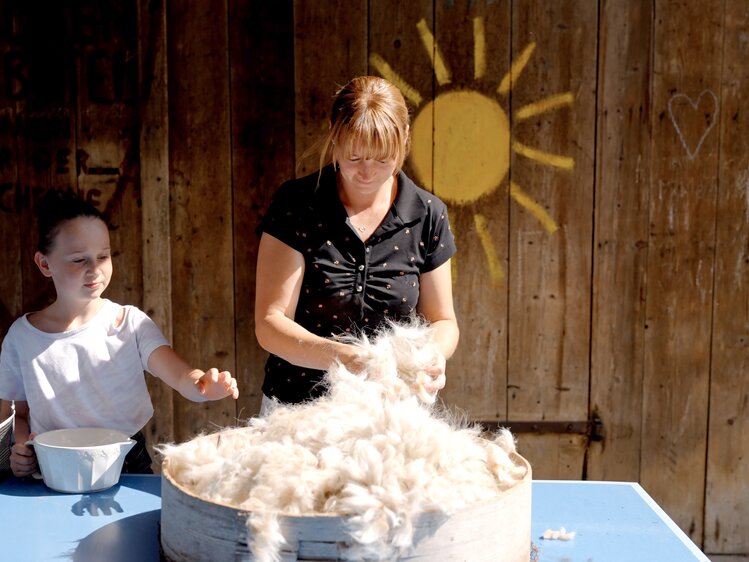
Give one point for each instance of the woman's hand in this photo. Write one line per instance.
(213, 385)
(437, 373)
(23, 459)
(352, 357)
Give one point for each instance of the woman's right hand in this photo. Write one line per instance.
(23, 459)
(352, 357)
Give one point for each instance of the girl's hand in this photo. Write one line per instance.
(23, 459)
(213, 385)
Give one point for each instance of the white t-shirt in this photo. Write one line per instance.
(91, 376)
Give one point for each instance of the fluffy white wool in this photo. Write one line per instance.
(373, 449)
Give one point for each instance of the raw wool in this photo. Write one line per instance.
(561, 535)
(373, 449)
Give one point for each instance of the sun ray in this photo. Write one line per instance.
(525, 201)
(474, 127)
(544, 105)
(479, 48)
(441, 72)
(496, 273)
(515, 69)
(563, 162)
(381, 65)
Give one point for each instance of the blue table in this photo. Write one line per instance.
(613, 522)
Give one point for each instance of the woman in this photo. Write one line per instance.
(348, 248)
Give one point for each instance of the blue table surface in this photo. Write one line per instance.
(613, 522)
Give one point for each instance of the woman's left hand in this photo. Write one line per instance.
(214, 385)
(437, 373)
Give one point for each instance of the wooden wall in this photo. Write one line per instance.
(603, 266)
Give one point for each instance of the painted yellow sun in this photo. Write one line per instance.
(462, 140)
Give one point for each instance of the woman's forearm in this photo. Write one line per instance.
(278, 334)
(446, 336)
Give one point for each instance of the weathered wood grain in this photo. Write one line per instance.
(201, 189)
(41, 79)
(726, 495)
(620, 237)
(11, 282)
(681, 257)
(467, 34)
(107, 133)
(330, 48)
(262, 131)
(550, 271)
(154, 189)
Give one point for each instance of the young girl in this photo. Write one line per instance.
(80, 361)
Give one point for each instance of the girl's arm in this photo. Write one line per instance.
(22, 457)
(280, 270)
(193, 384)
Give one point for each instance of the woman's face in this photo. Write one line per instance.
(364, 174)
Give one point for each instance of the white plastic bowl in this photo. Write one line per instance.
(81, 460)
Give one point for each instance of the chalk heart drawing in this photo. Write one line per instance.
(693, 119)
(462, 140)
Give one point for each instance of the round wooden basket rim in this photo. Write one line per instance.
(519, 460)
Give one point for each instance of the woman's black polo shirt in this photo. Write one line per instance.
(351, 286)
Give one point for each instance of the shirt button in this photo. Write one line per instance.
(368, 248)
(358, 288)
(361, 268)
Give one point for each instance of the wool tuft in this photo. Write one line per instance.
(374, 449)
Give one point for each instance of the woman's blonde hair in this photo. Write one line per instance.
(369, 115)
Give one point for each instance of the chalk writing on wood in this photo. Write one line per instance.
(462, 140)
(693, 119)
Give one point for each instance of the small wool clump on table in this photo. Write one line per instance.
(373, 449)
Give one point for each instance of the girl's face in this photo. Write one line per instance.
(80, 262)
(364, 174)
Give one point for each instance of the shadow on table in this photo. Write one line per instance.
(125, 540)
(99, 503)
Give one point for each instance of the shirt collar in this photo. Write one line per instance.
(407, 208)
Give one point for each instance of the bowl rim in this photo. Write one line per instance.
(122, 438)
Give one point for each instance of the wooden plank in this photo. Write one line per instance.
(330, 48)
(727, 496)
(621, 231)
(154, 188)
(200, 183)
(42, 82)
(473, 39)
(11, 287)
(107, 133)
(684, 170)
(262, 110)
(552, 103)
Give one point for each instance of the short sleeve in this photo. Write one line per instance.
(284, 215)
(148, 335)
(11, 381)
(441, 242)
